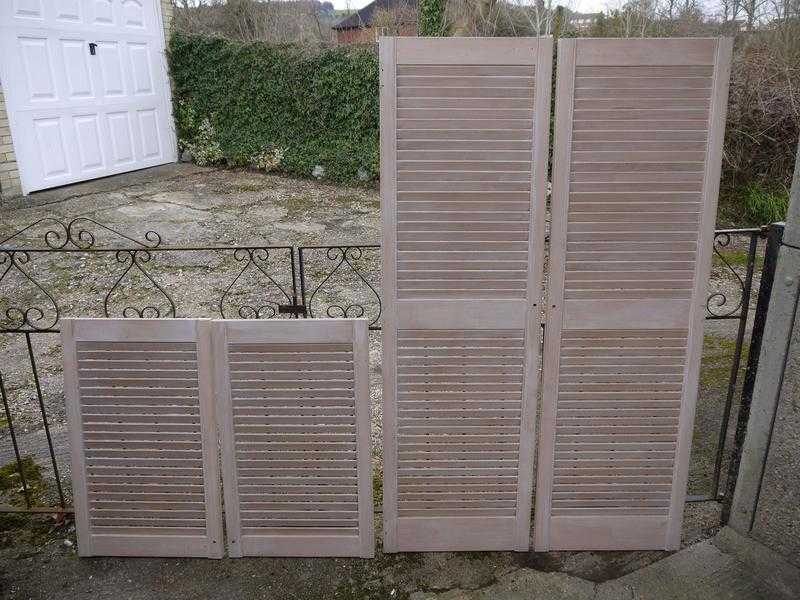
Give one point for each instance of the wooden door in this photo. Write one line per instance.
(639, 129)
(464, 141)
(142, 437)
(294, 413)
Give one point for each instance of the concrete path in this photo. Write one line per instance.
(727, 567)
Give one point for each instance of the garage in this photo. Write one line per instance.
(86, 88)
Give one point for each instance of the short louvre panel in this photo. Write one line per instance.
(464, 133)
(143, 438)
(639, 128)
(293, 402)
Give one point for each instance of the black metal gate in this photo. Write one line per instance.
(82, 267)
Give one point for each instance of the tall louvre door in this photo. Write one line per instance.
(464, 139)
(293, 402)
(143, 438)
(639, 129)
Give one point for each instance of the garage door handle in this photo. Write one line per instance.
(92, 48)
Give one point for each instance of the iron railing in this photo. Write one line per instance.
(140, 277)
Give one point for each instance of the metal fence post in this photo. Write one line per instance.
(774, 239)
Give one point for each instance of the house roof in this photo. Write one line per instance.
(363, 17)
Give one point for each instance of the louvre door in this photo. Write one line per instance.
(142, 436)
(639, 129)
(293, 402)
(464, 132)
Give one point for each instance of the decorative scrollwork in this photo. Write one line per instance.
(348, 261)
(718, 303)
(83, 238)
(256, 262)
(134, 262)
(78, 234)
(55, 238)
(34, 317)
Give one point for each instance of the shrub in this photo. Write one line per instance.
(318, 106)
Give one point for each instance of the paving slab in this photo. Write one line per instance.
(700, 572)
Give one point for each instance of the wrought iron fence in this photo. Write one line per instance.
(82, 267)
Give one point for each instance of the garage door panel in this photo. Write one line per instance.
(122, 144)
(37, 64)
(112, 81)
(112, 106)
(90, 146)
(141, 68)
(76, 68)
(102, 12)
(49, 135)
(26, 9)
(134, 15)
(148, 132)
(70, 11)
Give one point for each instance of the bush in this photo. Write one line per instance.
(305, 107)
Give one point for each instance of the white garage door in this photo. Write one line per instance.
(86, 88)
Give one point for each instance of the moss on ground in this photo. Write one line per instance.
(715, 370)
(296, 205)
(11, 480)
(377, 487)
(715, 367)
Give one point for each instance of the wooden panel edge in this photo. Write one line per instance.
(366, 515)
(75, 435)
(388, 184)
(210, 440)
(691, 379)
(224, 406)
(559, 204)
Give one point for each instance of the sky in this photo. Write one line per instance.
(578, 5)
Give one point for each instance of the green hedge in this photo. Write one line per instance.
(315, 107)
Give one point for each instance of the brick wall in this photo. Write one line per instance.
(9, 175)
(167, 11)
(10, 185)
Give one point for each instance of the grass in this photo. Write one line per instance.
(753, 204)
(763, 205)
(737, 258)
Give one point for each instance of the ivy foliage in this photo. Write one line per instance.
(431, 17)
(312, 107)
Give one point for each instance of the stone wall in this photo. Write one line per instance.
(10, 185)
